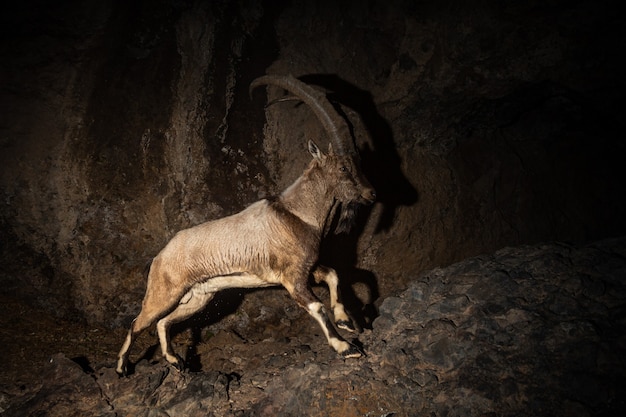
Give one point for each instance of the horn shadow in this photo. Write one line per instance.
(381, 165)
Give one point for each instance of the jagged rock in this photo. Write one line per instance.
(526, 331)
(513, 333)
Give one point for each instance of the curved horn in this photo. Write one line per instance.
(334, 124)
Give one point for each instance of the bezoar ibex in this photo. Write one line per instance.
(274, 241)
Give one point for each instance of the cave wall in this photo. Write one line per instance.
(481, 125)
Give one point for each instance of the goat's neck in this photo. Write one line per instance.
(310, 200)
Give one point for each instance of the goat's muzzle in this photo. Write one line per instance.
(368, 196)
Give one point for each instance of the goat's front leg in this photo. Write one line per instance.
(329, 276)
(306, 299)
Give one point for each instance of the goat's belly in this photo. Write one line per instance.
(231, 281)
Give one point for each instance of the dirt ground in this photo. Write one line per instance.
(29, 336)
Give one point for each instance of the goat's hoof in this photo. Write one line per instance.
(352, 352)
(122, 368)
(179, 364)
(346, 325)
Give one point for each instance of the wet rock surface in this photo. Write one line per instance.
(525, 331)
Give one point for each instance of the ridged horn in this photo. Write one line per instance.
(334, 124)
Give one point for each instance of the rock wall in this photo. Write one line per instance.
(481, 125)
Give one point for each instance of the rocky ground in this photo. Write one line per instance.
(526, 331)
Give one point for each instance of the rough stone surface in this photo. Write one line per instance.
(526, 331)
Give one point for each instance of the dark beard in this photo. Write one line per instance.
(347, 217)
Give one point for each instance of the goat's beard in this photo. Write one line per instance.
(347, 216)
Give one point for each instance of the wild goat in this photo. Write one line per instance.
(274, 241)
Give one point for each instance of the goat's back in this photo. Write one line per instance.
(261, 240)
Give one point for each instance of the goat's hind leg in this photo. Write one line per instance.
(329, 276)
(155, 305)
(144, 320)
(191, 303)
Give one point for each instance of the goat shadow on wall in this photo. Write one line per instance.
(381, 165)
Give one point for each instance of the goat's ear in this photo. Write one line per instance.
(315, 151)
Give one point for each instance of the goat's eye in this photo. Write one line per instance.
(343, 169)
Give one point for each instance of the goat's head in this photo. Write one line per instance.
(349, 186)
